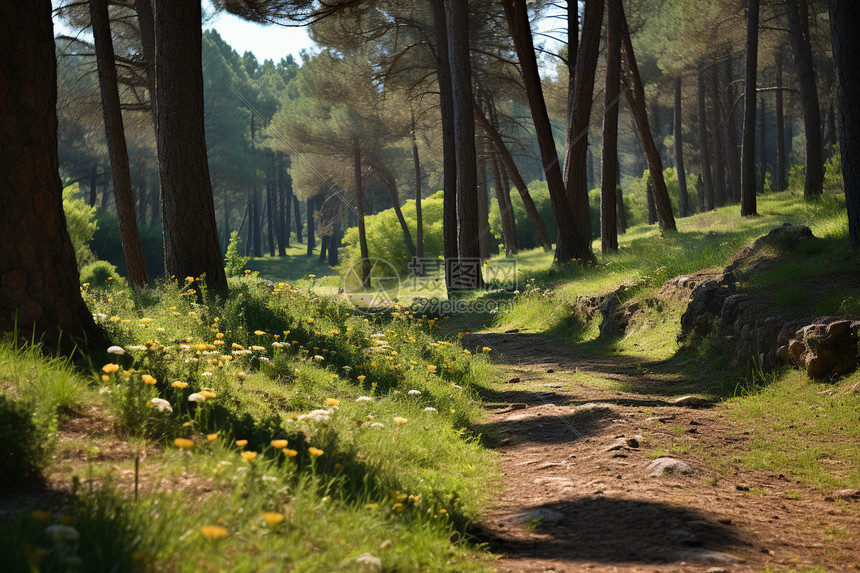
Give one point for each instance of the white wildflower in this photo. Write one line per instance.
(414, 392)
(369, 562)
(116, 350)
(377, 425)
(60, 532)
(364, 399)
(162, 405)
(197, 397)
(431, 409)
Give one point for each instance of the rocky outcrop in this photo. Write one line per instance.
(824, 349)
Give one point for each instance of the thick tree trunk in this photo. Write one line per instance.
(146, 24)
(780, 182)
(683, 196)
(483, 204)
(468, 244)
(733, 161)
(800, 43)
(506, 210)
(844, 23)
(748, 182)
(298, 217)
(636, 100)
(324, 240)
(717, 146)
(117, 151)
(704, 146)
(191, 246)
(576, 152)
(507, 159)
(609, 164)
(762, 144)
(359, 204)
(574, 243)
(449, 157)
(40, 292)
(419, 230)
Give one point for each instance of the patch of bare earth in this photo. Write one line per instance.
(581, 493)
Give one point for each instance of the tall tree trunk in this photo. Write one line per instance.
(507, 159)
(683, 197)
(798, 25)
(270, 215)
(419, 229)
(225, 226)
(324, 240)
(468, 247)
(249, 239)
(609, 164)
(284, 201)
(779, 181)
(310, 205)
(387, 177)
(574, 241)
(117, 151)
(483, 204)
(844, 23)
(40, 292)
(146, 24)
(572, 53)
(287, 201)
(576, 152)
(704, 146)
(359, 203)
(298, 217)
(449, 157)
(652, 207)
(191, 245)
(762, 144)
(733, 186)
(334, 245)
(719, 166)
(748, 198)
(636, 100)
(620, 211)
(506, 210)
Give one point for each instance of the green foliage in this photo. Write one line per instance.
(101, 274)
(636, 198)
(23, 451)
(833, 181)
(107, 245)
(81, 224)
(234, 264)
(385, 237)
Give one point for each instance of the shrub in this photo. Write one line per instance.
(22, 444)
(101, 274)
(234, 264)
(81, 223)
(526, 235)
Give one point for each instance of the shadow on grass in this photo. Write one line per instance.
(609, 530)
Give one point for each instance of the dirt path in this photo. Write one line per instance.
(579, 493)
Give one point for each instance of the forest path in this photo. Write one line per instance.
(579, 493)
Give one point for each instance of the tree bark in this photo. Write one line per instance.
(780, 182)
(359, 203)
(652, 207)
(574, 241)
(310, 205)
(621, 211)
(844, 23)
(270, 215)
(284, 210)
(506, 210)
(748, 198)
(733, 187)
(704, 146)
(298, 217)
(762, 145)
(636, 100)
(719, 166)
(468, 244)
(117, 150)
(799, 34)
(449, 157)
(191, 246)
(483, 204)
(146, 24)
(507, 159)
(576, 151)
(40, 294)
(609, 165)
(387, 178)
(683, 196)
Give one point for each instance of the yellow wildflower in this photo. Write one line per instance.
(179, 384)
(332, 402)
(249, 456)
(110, 368)
(431, 367)
(400, 421)
(214, 532)
(183, 443)
(241, 443)
(315, 452)
(290, 453)
(208, 394)
(279, 444)
(273, 518)
(147, 379)
(212, 437)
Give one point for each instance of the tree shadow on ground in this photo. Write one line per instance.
(612, 530)
(547, 426)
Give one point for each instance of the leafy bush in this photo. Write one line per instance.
(101, 274)
(234, 263)
(22, 444)
(833, 171)
(526, 235)
(81, 224)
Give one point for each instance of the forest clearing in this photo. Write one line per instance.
(455, 286)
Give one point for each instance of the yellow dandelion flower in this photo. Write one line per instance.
(371, 505)
(273, 518)
(183, 443)
(105, 378)
(241, 443)
(110, 368)
(290, 453)
(431, 367)
(486, 349)
(259, 332)
(334, 376)
(361, 378)
(208, 394)
(214, 532)
(399, 421)
(413, 362)
(315, 452)
(212, 437)
(332, 402)
(249, 456)
(466, 351)
(279, 444)
(145, 321)
(147, 379)
(179, 384)
(310, 321)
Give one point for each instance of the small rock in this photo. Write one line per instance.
(718, 570)
(542, 515)
(668, 465)
(513, 380)
(550, 370)
(632, 443)
(518, 406)
(742, 487)
(706, 556)
(691, 402)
